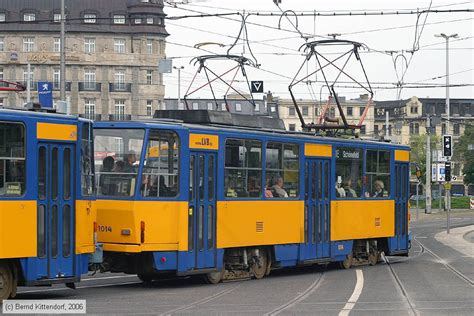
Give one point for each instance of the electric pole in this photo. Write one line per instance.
(62, 69)
(428, 165)
(179, 83)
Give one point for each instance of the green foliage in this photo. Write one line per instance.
(457, 202)
(418, 152)
(461, 153)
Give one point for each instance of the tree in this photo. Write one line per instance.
(418, 152)
(463, 154)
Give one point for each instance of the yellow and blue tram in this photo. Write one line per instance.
(47, 214)
(222, 201)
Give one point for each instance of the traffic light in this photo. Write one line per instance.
(447, 171)
(447, 145)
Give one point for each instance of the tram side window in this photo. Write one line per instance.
(378, 173)
(117, 159)
(348, 172)
(243, 168)
(87, 158)
(12, 159)
(161, 166)
(282, 170)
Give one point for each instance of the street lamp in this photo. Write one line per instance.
(447, 37)
(179, 83)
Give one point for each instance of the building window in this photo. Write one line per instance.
(149, 20)
(376, 130)
(119, 79)
(2, 44)
(456, 129)
(119, 19)
(209, 106)
(443, 128)
(223, 107)
(257, 107)
(28, 44)
(1, 102)
(414, 128)
(89, 45)
(57, 17)
(349, 111)
(195, 106)
(137, 21)
(348, 172)
(119, 45)
(149, 76)
(90, 18)
(149, 108)
(29, 17)
(378, 173)
(89, 79)
(2, 17)
(180, 106)
(56, 78)
(414, 110)
(305, 111)
(363, 130)
(149, 46)
(57, 45)
(119, 109)
(291, 111)
(361, 111)
(1, 75)
(238, 107)
(292, 127)
(243, 168)
(389, 129)
(30, 75)
(89, 108)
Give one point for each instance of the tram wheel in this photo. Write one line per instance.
(214, 277)
(6, 282)
(259, 268)
(347, 263)
(373, 258)
(145, 278)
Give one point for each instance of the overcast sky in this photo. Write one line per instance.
(277, 50)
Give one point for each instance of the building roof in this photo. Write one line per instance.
(75, 10)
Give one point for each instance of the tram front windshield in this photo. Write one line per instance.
(117, 159)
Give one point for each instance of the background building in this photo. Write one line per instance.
(112, 52)
(311, 111)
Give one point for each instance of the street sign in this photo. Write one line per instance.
(45, 94)
(437, 172)
(447, 171)
(257, 86)
(447, 145)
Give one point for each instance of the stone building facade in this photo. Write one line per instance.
(112, 51)
(311, 110)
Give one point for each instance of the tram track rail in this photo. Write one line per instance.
(446, 264)
(299, 298)
(398, 282)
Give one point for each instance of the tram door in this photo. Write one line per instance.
(401, 206)
(55, 210)
(317, 177)
(202, 209)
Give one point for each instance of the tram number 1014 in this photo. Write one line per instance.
(104, 229)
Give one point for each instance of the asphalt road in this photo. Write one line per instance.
(435, 280)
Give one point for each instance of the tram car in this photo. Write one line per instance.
(192, 193)
(47, 213)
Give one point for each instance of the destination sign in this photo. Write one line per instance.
(348, 153)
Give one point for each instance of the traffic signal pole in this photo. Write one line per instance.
(428, 165)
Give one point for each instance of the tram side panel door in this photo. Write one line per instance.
(55, 211)
(399, 244)
(317, 177)
(202, 209)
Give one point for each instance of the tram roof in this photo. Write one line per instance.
(40, 114)
(302, 136)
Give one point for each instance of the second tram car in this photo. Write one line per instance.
(180, 198)
(47, 214)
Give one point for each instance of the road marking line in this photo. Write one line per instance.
(355, 295)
